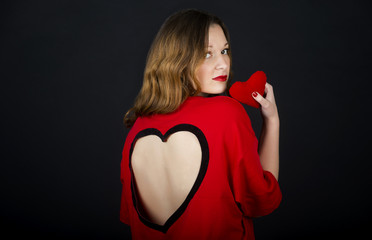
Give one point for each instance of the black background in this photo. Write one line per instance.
(71, 69)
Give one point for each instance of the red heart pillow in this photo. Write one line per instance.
(242, 91)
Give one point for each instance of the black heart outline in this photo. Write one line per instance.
(199, 179)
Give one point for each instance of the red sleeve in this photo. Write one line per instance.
(124, 213)
(256, 191)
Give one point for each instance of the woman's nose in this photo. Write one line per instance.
(222, 62)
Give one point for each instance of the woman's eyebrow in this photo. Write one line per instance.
(226, 44)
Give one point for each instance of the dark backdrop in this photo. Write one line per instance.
(71, 69)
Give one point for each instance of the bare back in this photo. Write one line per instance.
(165, 172)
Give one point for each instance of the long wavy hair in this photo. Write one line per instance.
(175, 54)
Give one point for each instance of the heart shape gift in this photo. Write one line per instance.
(242, 91)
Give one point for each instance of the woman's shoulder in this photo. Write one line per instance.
(223, 110)
(222, 104)
(226, 101)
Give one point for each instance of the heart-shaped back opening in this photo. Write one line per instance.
(167, 170)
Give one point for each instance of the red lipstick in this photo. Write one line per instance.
(221, 78)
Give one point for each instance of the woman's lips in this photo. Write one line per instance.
(221, 78)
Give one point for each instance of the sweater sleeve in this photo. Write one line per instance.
(256, 191)
(124, 213)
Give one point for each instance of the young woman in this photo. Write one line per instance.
(192, 166)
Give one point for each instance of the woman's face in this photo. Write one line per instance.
(213, 73)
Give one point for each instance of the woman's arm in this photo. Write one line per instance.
(268, 147)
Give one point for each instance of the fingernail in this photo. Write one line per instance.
(254, 94)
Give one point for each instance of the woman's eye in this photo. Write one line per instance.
(208, 55)
(225, 51)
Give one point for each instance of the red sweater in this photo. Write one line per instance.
(231, 187)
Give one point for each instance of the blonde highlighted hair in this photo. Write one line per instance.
(175, 54)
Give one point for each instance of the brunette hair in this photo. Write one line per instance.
(175, 54)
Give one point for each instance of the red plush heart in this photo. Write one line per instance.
(242, 91)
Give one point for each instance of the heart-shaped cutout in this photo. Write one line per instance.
(168, 170)
(242, 91)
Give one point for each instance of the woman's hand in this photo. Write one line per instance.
(268, 147)
(268, 106)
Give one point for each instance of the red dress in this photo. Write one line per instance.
(231, 187)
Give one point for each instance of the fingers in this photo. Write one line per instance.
(269, 92)
(268, 105)
(267, 87)
(261, 100)
(269, 98)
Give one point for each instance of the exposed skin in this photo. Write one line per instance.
(216, 63)
(165, 172)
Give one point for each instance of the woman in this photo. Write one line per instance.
(190, 167)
